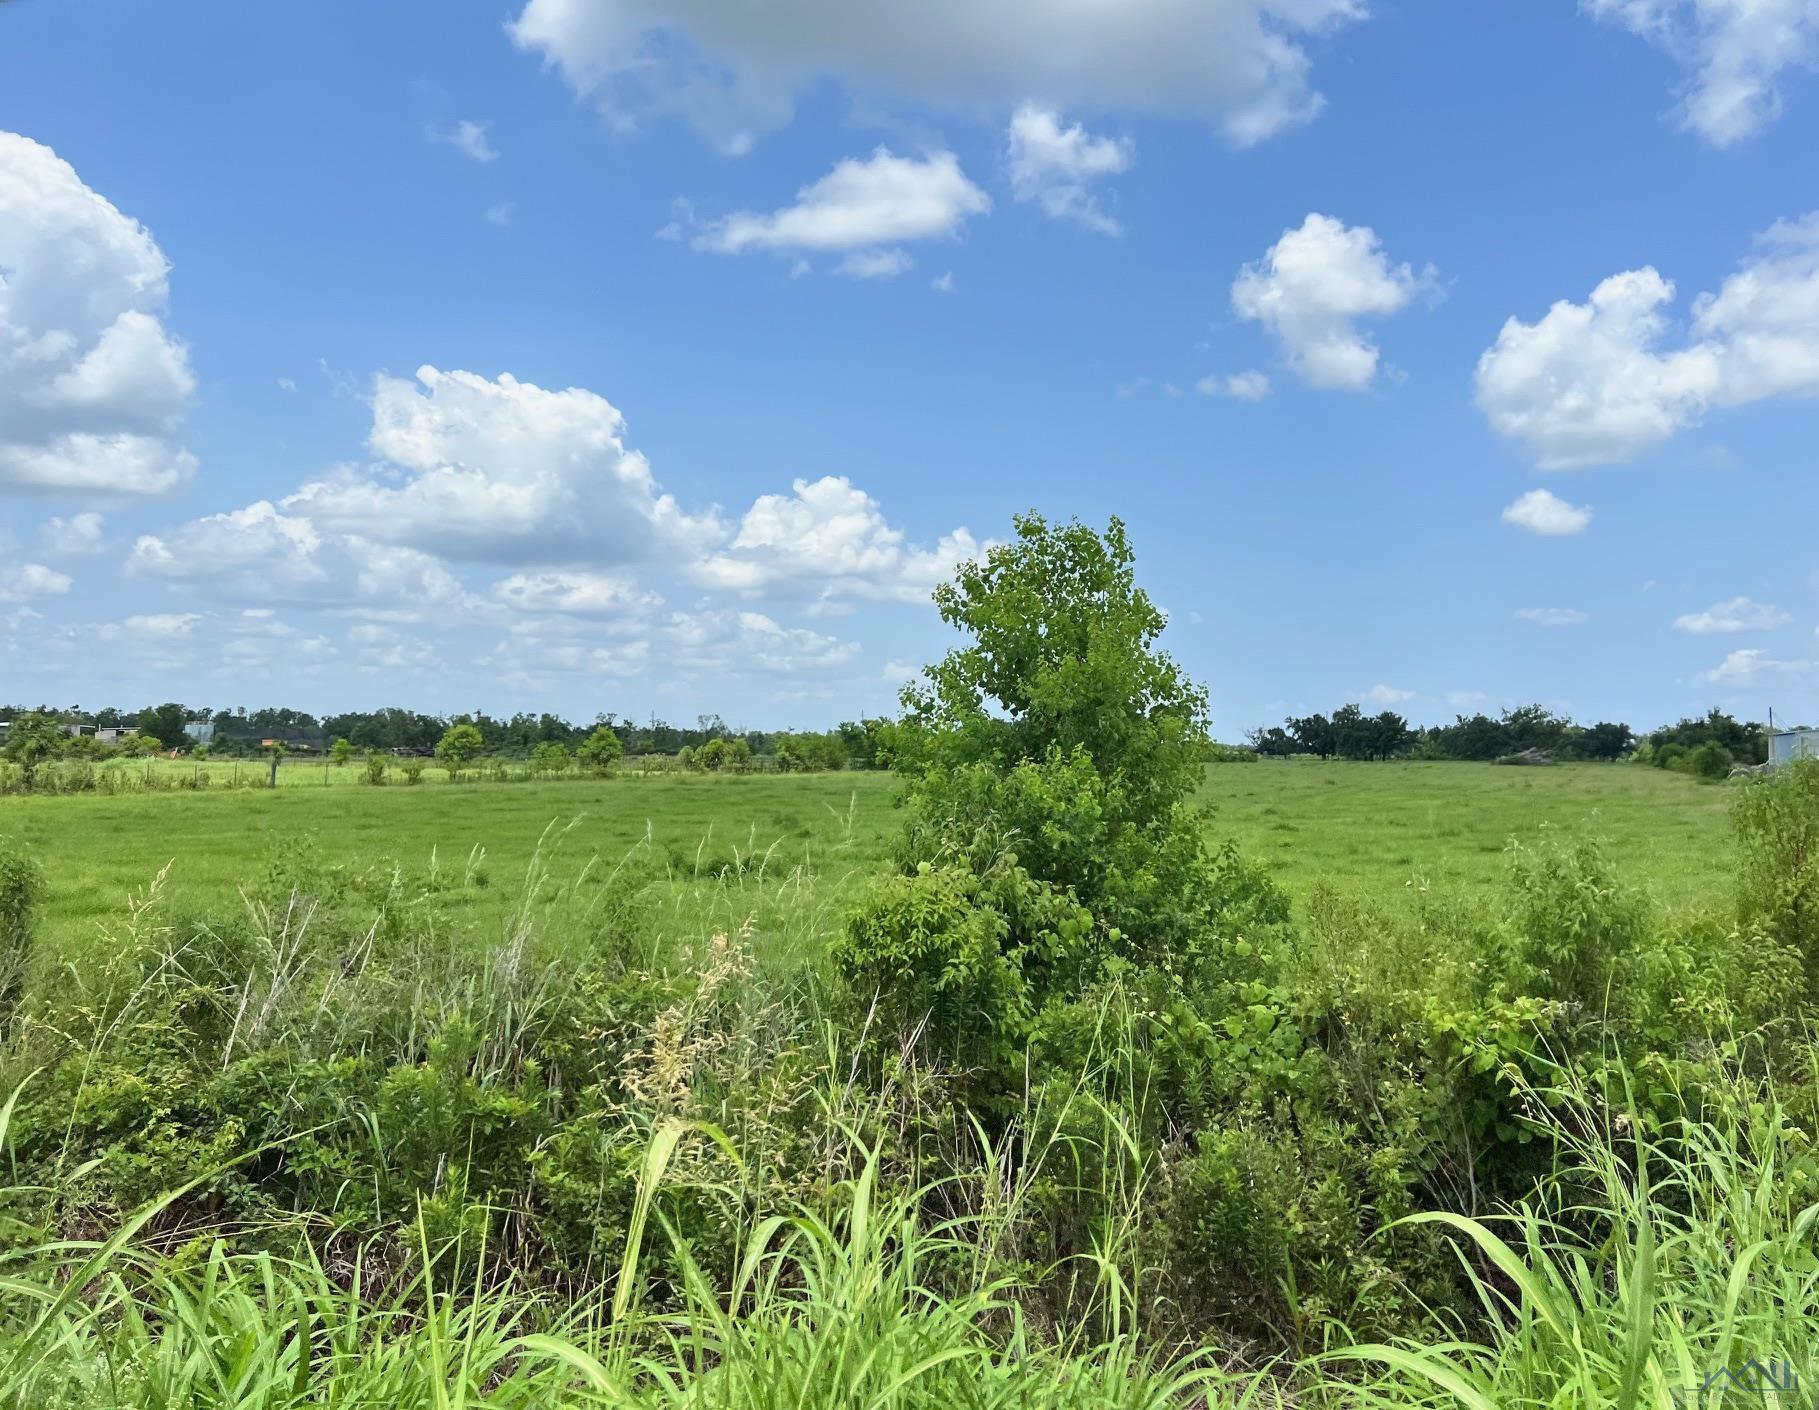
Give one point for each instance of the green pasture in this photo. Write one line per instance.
(809, 840)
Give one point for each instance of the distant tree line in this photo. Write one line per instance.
(856, 744)
(1709, 744)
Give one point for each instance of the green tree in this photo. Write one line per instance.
(33, 739)
(342, 751)
(459, 746)
(600, 752)
(1061, 734)
(1062, 658)
(549, 757)
(164, 723)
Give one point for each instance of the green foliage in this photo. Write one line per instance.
(600, 752)
(342, 752)
(374, 770)
(550, 757)
(1575, 927)
(459, 746)
(1061, 657)
(1776, 820)
(164, 724)
(21, 889)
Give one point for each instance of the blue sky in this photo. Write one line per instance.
(655, 356)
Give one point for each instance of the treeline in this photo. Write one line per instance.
(855, 744)
(1710, 744)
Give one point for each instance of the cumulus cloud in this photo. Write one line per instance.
(581, 593)
(1251, 385)
(1054, 165)
(261, 554)
(76, 536)
(1387, 695)
(1552, 616)
(165, 624)
(93, 388)
(502, 471)
(468, 138)
(862, 208)
(1312, 287)
(1599, 383)
(1739, 614)
(732, 70)
(21, 582)
(830, 538)
(1753, 666)
(1547, 514)
(1736, 54)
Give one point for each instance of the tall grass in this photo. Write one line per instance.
(1664, 1266)
(1657, 1259)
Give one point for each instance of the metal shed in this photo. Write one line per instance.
(1786, 745)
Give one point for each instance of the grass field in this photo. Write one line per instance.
(1369, 827)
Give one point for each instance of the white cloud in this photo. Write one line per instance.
(1310, 289)
(875, 264)
(861, 208)
(76, 536)
(1466, 699)
(93, 389)
(1251, 385)
(1547, 514)
(1736, 53)
(1552, 616)
(165, 624)
(732, 69)
(1739, 614)
(382, 648)
(1753, 667)
(831, 538)
(501, 213)
(1387, 695)
(589, 594)
(502, 471)
(261, 554)
(468, 138)
(942, 283)
(1054, 165)
(1593, 383)
(21, 582)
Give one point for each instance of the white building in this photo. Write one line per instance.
(1786, 745)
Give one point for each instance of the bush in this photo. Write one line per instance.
(600, 752)
(1776, 822)
(549, 757)
(374, 769)
(21, 887)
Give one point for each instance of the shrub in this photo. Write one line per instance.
(961, 959)
(374, 770)
(1574, 925)
(412, 769)
(600, 752)
(459, 746)
(1776, 823)
(549, 757)
(1710, 760)
(21, 886)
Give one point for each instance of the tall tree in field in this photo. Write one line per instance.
(1061, 733)
(600, 752)
(459, 746)
(164, 723)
